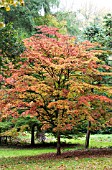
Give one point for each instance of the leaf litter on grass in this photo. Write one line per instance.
(82, 160)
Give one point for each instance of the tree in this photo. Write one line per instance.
(92, 32)
(100, 32)
(53, 82)
(6, 4)
(10, 44)
(52, 21)
(29, 125)
(90, 13)
(100, 113)
(71, 20)
(48, 4)
(23, 18)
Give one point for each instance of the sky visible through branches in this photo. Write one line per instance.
(77, 4)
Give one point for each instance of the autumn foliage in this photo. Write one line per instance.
(56, 82)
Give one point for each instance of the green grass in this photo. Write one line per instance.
(58, 164)
(19, 159)
(13, 152)
(96, 141)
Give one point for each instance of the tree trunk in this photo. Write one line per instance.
(88, 135)
(46, 8)
(0, 136)
(32, 135)
(58, 144)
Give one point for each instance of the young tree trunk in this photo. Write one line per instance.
(0, 136)
(32, 135)
(88, 135)
(58, 144)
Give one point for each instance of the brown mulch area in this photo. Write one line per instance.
(76, 154)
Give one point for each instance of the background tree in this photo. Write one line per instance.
(10, 44)
(100, 32)
(6, 4)
(23, 18)
(47, 5)
(52, 21)
(72, 21)
(28, 124)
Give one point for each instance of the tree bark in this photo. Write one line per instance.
(0, 136)
(58, 144)
(88, 135)
(32, 135)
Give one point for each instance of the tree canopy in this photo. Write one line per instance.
(7, 3)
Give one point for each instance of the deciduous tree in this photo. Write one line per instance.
(6, 4)
(54, 82)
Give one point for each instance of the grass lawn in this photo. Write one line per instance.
(103, 163)
(21, 159)
(13, 152)
(96, 141)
